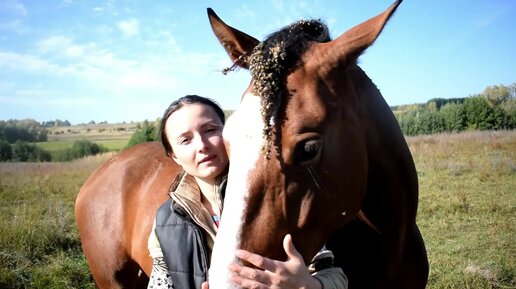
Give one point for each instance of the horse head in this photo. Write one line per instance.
(302, 140)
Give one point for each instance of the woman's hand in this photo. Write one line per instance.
(292, 273)
(205, 285)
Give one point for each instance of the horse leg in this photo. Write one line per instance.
(414, 267)
(124, 274)
(132, 276)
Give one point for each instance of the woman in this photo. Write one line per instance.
(191, 133)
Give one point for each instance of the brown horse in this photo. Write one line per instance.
(316, 152)
(312, 146)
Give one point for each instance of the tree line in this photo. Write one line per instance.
(23, 151)
(25, 130)
(494, 109)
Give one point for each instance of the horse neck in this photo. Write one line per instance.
(391, 167)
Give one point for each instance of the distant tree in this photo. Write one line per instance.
(6, 153)
(145, 132)
(454, 117)
(79, 149)
(440, 102)
(510, 109)
(497, 94)
(23, 151)
(429, 122)
(479, 114)
(25, 130)
(407, 122)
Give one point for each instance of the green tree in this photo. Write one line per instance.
(454, 117)
(407, 122)
(23, 151)
(6, 153)
(82, 148)
(79, 149)
(497, 94)
(145, 132)
(479, 114)
(25, 130)
(429, 122)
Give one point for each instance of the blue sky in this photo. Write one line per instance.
(127, 60)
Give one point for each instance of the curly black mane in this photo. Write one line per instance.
(271, 60)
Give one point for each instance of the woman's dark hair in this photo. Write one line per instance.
(181, 102)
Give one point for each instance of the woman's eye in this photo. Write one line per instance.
(211, 130)
(183, 140)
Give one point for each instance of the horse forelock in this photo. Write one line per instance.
(272, 60)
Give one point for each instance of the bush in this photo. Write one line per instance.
(23, 151)
(145, 132)
(6, 153)
(79, 149)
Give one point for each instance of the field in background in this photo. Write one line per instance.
(467, 215)
(112, 136)
(467, 208)
(110, 144)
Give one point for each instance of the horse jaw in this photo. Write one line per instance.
(243, 131)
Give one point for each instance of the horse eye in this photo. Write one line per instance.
(307, 152)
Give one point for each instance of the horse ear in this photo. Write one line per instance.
(236, 42)
(353, 42)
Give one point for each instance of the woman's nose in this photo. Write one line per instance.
(202, 144)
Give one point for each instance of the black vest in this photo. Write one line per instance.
(183, 246)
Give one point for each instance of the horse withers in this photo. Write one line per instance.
(315, 151)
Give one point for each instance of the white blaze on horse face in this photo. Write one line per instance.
(244, 132)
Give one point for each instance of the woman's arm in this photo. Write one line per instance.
(159, 277)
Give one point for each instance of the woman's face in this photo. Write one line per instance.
(195, 135)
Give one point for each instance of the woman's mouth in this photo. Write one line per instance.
(207, 159)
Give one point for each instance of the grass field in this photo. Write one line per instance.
(110, 144)
(467, 215)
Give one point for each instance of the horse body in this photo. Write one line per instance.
(115, 209)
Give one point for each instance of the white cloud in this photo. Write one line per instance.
(245, 12)
(129, 28)
(13, 7)
(17, 26)
(53, 43)
(108, 6)
(25, 62)
(139, 79)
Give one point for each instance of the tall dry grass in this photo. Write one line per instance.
(39, 243)
(467, 209)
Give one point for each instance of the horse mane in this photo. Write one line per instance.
(272, 60)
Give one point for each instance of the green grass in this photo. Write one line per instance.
(110, 144)
(54, 146)
(467, 211)
(467, 215)
(39, 243)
